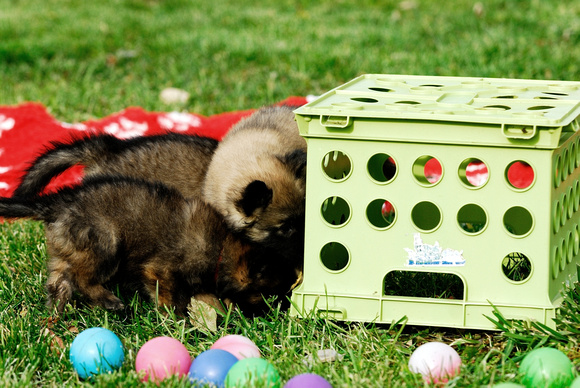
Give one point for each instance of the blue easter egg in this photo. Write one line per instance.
(211, 367)
(95, 351)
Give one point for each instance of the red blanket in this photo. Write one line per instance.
(27, 130)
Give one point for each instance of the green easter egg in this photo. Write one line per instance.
(576, 383)
(546, 367)
(249, 372)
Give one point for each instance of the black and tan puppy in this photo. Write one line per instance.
(119, 230)
(254, 177)
(178, 160)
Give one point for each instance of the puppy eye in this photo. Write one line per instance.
(286, 229)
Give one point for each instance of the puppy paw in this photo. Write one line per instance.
(112, 303)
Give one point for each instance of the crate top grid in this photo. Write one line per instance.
(435, 197)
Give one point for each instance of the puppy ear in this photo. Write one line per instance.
(256, 195)
(296, 161)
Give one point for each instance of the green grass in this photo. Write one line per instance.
(88, 59)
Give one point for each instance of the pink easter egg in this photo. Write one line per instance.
(162, 357)
(436, 361)
(238, 345)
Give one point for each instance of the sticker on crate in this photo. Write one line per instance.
(432, 255)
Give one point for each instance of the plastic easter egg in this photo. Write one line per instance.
(95, 351)
(437, 362)
(307, 380)
(238, 345)
(162, 357)
(211, 367)
(575, 383)
(546, 367)
(249, 372)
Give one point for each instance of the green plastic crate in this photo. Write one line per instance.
(435, 197)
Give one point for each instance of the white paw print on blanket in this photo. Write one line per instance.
(126, 128)
(76, 126)
(6, 123)
(177, 121)
(3, 169)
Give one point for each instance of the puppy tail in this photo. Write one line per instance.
(61, 157)
(20, 208)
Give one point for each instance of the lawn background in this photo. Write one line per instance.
(88, 59)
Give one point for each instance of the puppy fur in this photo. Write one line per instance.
(146, 236)
(256, 180)
(178, 160)
(254, 177)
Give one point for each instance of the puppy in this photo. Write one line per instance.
(147, 236)
(256, 180)
(178, 160)
(254, 177)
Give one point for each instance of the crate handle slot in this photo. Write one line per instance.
(332, 313)
(335, 121)
(512, 131)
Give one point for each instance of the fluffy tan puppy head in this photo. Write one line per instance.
(265, 204)
(256, 180)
